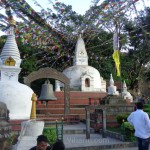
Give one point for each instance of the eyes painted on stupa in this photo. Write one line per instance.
(81, 53)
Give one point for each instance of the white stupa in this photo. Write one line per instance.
(112, 90)
(83, 77)
(125, 94)
(15, 95)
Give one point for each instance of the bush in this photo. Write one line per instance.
(121, 117)
(147, 108)
(50, 133)
(128, 131)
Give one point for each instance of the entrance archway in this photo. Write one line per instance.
(54, 74)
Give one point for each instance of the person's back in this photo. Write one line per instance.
(141, 122)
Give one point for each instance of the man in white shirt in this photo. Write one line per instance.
(141, 122)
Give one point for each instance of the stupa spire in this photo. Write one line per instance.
(12, 25)
(111, 81)
(124, 86)
(81, 57)
(10, 50)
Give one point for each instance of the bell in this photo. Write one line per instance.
(47, 92)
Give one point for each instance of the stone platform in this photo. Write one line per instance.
(75, 139)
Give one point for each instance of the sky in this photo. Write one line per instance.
(79, 6)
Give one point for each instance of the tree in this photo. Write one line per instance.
(138, 50)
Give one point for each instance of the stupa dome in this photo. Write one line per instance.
(17, 97)
(75, 73)
(82, 76)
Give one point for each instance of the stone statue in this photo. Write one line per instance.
(125, 94)
(5, 128)
(112, 90)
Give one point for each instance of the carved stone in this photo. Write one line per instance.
(5, 128)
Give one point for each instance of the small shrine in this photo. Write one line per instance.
(112, 90)
(125, 94)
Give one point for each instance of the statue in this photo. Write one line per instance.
(125, 94)
(112, 90)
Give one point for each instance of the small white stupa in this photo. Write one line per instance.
(112, 90)
(15, 95)
(125, 94)
(82, 76)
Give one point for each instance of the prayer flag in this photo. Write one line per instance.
(115, 55)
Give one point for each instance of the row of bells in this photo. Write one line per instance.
(47, 92)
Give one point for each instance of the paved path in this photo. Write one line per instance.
(78, 140)
(128, 148)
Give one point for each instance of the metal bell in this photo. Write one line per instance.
(47, 93)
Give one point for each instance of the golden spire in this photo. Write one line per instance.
(12, 22)
(33, 109)
(12, 25)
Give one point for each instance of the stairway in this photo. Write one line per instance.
(55, 109)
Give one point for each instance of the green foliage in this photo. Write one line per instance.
(13, 139)
(147, 108)
(128, 131)
(127, 125)
(50, 133)
(121, 117)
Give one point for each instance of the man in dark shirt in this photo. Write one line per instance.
(42, 143)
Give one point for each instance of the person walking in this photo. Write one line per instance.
(141, 122)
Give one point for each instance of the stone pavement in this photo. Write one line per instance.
(75, 139)
(128, 148)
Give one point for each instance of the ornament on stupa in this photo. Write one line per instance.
(33, 109)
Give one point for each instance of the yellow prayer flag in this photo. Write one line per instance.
(116, 58)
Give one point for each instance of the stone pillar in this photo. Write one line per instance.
(104, 123)
(87, 123)
(66, 99)
(57, 86)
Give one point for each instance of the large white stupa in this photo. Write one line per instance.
(15, 95)
(82, 76)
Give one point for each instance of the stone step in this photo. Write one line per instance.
(77, 131)
(83, 101)
(61, 106)
(53, 117)
(76, 111)
(76, 94)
